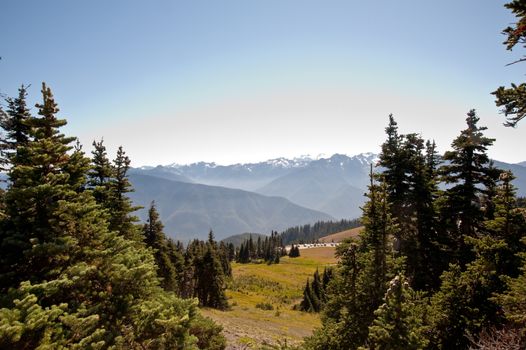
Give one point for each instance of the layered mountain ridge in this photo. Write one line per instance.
(260, 197)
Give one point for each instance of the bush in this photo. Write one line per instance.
(208, 333)
(265, 306)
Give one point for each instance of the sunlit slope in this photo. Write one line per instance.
(340, 236)
(262, 298)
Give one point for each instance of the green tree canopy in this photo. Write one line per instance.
(513, 99)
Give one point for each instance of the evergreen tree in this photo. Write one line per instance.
(244, 254)
(306, 303)
(399, 321)
(4, 143)
(224, 256)
(211, 280)
(231, 252)
(375, 240)
(394, 164)
(77, 168)
(343, 324)
(314, 294)
(259, 247)
(363, 273)
(120, 206)
(176, 253)
(35, 200)
(294, 251)
(187, 286)
(310, 233)
(208, 334)
(155, 238)
(513, 99)
(76, 284)
(419, 237)
(277, 257)
(325, 280)
(269, 250)
(463, 305)
(16, 123)
(251, 249)
(507, 227)
(409, 174)
(513, 300)
(100, 174)
(317, 291)
(469, 174)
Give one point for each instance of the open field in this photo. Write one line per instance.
(319, 255)
(340, 236)
(275, 289)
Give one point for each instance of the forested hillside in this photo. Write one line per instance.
(310, 233)
(300, 234)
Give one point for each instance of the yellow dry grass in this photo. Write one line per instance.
(320, 255)
(279, 286)
(340, 236)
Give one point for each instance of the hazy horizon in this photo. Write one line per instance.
(235, 81)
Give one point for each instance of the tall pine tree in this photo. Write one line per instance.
(154, 238)
(468, 173)
(120, 206)
(100, 174)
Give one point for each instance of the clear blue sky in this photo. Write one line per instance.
(229, 81)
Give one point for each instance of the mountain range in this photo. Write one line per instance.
(260, 197)
(190, 210)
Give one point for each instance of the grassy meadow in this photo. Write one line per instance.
(262, 298)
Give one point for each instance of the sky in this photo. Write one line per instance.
(244, 81)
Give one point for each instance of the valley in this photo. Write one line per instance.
(277, 288)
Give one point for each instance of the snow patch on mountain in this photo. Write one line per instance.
(367, 158)
(282, 162)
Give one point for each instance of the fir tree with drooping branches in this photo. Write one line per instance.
(469, 175)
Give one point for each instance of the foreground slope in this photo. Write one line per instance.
(191, 210)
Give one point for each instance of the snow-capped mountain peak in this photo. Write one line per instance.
(367, 158)
(286, 163)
